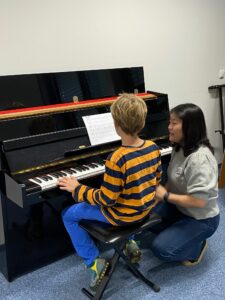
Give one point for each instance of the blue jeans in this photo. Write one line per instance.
(82, 242)
(180, 237)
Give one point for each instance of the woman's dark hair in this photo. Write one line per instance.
(193, 127)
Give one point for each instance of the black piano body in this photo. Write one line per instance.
(38, 144)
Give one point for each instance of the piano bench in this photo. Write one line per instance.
(118, 237)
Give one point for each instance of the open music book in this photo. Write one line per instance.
(100, 128)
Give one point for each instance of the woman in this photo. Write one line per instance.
(188, 206)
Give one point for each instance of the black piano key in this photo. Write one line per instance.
(70, 172)
(44, 178)
(55, 175)
(59, 174)
(62, 173)
(78, 169)
(83, 168)
(87, 167)
(96, 165)
(91, 165)
(37, 180)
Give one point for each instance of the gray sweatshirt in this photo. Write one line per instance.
(196, 175)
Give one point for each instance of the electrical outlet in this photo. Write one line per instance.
(221, 73)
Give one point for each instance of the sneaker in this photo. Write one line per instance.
(190, 263)
(97, 270)
(132, 251)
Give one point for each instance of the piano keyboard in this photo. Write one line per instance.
(166, 150)
(49, 181)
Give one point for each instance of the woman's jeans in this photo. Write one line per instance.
(82, 242)
(180, 237)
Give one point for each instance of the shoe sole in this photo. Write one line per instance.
(188, 263)
(102, 274)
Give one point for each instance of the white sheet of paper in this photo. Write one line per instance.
(100, 128)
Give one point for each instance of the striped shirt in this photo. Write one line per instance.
(128, 189)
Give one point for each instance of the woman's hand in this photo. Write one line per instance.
(160, 192)
(68, 183)
(180, 200)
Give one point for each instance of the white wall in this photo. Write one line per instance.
(180, 43)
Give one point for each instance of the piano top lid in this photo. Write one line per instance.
(64, 107)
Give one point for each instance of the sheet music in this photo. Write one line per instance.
(100, 128)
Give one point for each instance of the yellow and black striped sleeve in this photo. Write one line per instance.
(159, 168)
(107, 195)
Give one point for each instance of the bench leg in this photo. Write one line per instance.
(101, 288)
(151, 284)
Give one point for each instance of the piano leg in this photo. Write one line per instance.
(3, 256)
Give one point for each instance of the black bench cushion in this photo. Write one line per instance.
(108, 233)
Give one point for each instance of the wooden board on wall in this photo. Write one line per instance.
(222, 174)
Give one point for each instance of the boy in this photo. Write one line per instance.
(127, 193)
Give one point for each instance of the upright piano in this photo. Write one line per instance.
(42, 140)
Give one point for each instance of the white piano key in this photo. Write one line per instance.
(166, 151)
(43, 184)
(78, 174)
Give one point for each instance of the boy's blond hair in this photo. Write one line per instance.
(129, 112)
